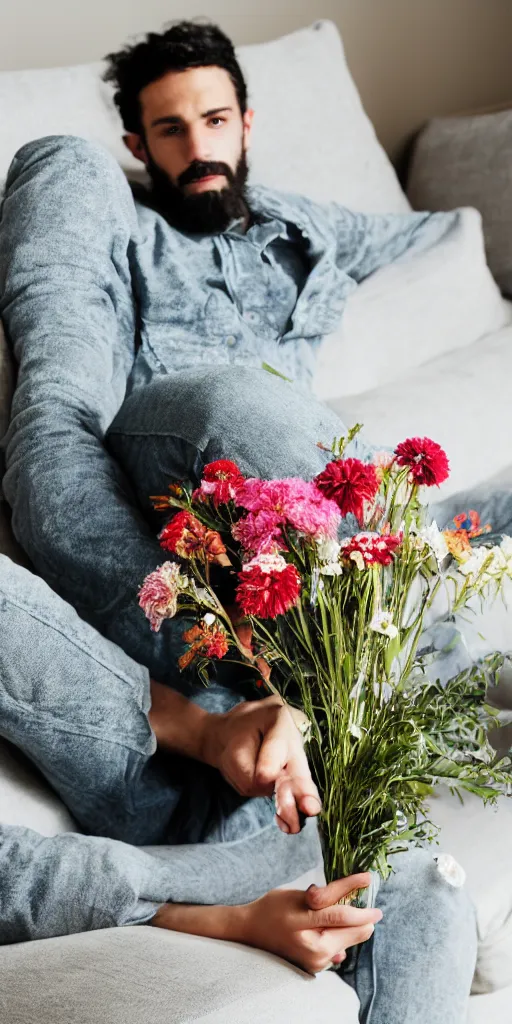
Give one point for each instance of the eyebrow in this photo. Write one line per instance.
(177, 120)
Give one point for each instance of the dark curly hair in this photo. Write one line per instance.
(182, 45)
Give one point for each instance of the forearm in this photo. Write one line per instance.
(180, 726)
(218, 922)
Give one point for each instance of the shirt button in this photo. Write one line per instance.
(231, 341)
(251, 317)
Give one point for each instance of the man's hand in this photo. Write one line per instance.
(258, 749)
(306, 928)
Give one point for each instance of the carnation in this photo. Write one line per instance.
(426, 460)
(294, 502)
(259, 531)
(370, 548)
(183, 535)
(221, 481)
(350, 483)
(266, 593)
(158, 596)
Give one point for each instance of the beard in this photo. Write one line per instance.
(206, 213)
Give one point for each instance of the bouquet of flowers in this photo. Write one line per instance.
(321, 588)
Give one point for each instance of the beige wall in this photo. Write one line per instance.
(410, 58)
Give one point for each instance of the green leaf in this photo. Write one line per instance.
(270, 369)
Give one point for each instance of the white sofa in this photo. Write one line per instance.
(425, 348)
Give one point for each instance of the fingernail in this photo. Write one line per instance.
(312, 886)
(284, 828)
(311, 805)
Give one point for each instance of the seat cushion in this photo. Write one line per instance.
(480, 838)
(461, 161)
(311, 134)
(26, 798)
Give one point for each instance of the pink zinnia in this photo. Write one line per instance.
(220, 482)
(374, 548)
(269, 588)
(294, 501)
(349, 482)
(158, 596)
(426, 460)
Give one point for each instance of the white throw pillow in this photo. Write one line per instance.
(311, 134)
(417, 308)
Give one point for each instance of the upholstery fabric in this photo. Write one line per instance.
(466, 161)
(461, 399)
(150, 976)
(311, 134)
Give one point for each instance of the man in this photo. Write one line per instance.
(140, 329)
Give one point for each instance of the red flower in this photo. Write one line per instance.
(349, 482)
(426, 460)
(267, 593)
(184, 535)
(373, 548)
(217, 645)
(471, 524)
(221, 480)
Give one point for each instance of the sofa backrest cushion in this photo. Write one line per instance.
(311, 134)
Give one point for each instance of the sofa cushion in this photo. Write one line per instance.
(419, 307)
(311, 134)
(147, 975)
(466, 161)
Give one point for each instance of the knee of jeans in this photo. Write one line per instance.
(237, 396)
(424, 894)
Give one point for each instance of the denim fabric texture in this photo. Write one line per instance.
(79, 710)
(139, 355)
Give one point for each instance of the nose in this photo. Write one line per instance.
(198, 147)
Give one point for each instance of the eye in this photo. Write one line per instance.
(172, 129)
(217, 121)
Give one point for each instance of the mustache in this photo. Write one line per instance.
(202, 169)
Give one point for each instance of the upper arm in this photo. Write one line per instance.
(365, 242)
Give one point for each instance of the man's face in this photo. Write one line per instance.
(194, 147)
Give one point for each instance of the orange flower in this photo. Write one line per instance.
(458, 543)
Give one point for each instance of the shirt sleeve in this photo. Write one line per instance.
(365, 242)
(66, 230)
(72, 883)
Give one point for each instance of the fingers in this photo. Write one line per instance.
(318, 897)
(274, 754)
(337, 940)
(286, 806)
(241, 765)
(344, 917)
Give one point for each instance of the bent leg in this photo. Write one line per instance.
(77, 706)
(170, 429)
(419, 964)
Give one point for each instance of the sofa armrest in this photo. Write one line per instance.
(146, 975)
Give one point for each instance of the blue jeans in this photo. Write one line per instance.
(76, 703)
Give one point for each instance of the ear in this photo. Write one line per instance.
(247, 125)
(134, 143)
